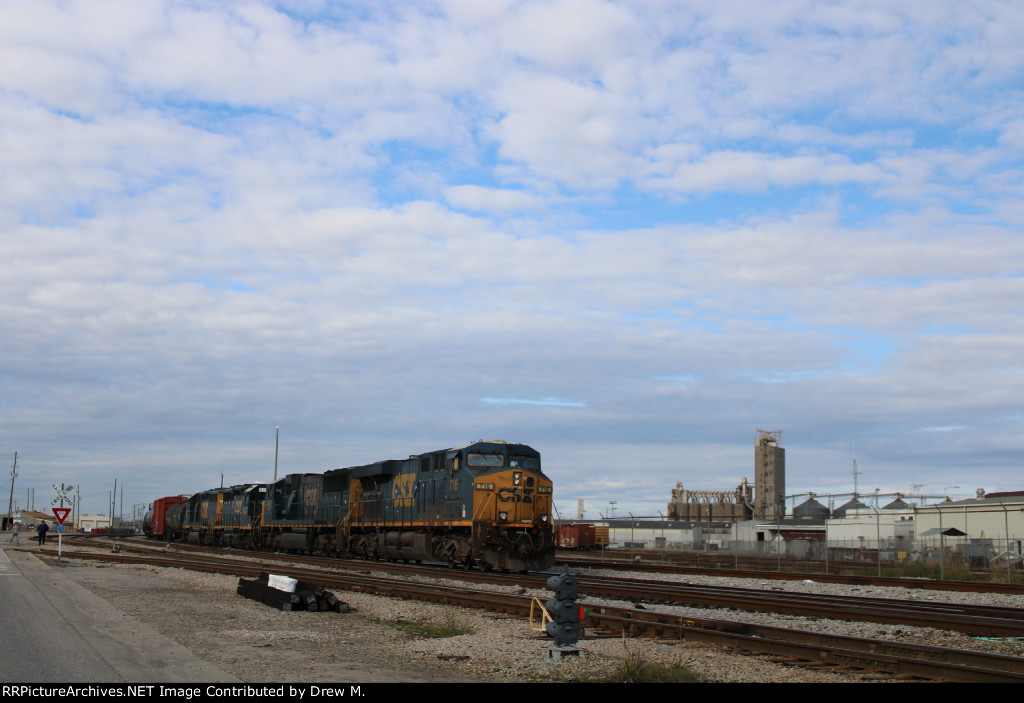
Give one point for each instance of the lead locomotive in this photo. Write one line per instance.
(486, 504)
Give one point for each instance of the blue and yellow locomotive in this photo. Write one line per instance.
(487, 504)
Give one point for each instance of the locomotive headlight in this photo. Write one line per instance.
(517, 478)
(543, 518)
(503, 516)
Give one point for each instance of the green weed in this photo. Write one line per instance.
(635, 669)
(451, 627)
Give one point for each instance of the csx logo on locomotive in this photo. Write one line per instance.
(402, 490)
(515, 495)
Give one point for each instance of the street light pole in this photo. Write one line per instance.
(277, 443)
(878, 541)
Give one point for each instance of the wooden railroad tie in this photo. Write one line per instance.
(306, 596)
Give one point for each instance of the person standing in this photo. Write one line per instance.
(16, 534)
(42, 530)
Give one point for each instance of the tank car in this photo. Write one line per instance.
(154, 524)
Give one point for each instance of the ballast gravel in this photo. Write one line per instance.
(260, 644)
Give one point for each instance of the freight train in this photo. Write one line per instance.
(485, 504)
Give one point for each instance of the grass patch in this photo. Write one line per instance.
(635, 669)
(952, 570)
(451, 627)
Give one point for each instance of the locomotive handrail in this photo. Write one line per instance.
(479, 512)
(256, 525)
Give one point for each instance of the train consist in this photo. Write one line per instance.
(485, 504)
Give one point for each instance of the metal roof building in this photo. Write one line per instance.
(995, 516)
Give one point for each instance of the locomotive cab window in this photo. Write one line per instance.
(485, 461)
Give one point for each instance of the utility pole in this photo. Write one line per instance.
(10, 501)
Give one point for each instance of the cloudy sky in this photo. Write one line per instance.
(629, 234)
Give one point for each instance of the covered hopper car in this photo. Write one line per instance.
(487, 504)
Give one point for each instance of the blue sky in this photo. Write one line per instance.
(628, 234)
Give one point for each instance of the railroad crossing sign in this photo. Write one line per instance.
(62, 495)
(61, 513)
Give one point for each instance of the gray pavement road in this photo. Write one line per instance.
(54, 630)
(38, 643)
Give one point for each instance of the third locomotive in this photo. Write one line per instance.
(486, 504)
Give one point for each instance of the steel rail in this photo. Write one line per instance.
(917, 583)
(726, 560)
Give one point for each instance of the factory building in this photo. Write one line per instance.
(890, 529)
(767, 500)
(987, 529)
(711, 506)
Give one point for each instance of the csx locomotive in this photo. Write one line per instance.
(486, 504)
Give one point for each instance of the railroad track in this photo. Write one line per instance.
(669, 568)
(726, 560)
(893, 658)
(973, 620)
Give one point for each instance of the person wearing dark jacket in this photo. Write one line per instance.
(42, 530)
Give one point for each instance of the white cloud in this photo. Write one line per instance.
(523, 219)
(739, 171)
(493, 200)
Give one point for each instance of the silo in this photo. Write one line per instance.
(769, 476)
(811, 509)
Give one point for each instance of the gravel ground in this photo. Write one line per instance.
(260, 644)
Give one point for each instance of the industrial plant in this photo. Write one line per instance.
(987, 530)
